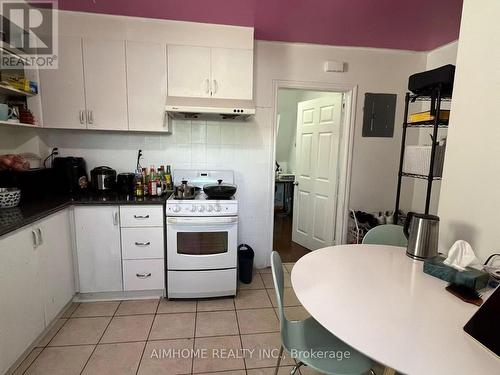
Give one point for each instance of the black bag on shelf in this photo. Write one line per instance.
(424, 83)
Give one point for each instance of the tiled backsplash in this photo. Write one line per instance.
(244, 147)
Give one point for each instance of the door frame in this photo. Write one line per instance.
(346, 149)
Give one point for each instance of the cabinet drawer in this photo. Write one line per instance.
(141, 216)
(143, 274)
(142, 243)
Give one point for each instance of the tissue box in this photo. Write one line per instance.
(471, 278)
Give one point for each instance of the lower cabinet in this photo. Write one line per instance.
(97, 234)
(36, 282)
(143, 274)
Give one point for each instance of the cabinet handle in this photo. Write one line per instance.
(141, 216)
(40, 238)
(207, 86)
(144, 275)
(35, 239)
(90, 116)
(142, 243)
(82, 117)
(115, 218)
(216, 86)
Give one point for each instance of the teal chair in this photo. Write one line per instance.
(306, 336)
(387, 234)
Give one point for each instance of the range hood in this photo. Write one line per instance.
(209, 109)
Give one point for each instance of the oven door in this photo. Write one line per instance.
(201, 243)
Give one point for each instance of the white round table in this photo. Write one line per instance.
(380, 302)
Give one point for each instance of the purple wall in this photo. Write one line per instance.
(400, 24)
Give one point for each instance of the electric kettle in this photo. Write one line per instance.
(422, 232)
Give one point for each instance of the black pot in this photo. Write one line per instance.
(219, 190)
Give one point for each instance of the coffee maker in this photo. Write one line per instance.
(70, 174)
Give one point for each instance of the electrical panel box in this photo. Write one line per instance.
(378, 115)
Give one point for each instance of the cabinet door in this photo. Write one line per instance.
(232, 73)
(189, 71)
(98, 249)
(56, 263)
(146, 86)
(62, 90)
(21, 311)
(105, 84)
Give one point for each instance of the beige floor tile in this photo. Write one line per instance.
(250, 299)
(262, 345)
(288, 266)
(295, 313)
(270, 371)
(264, 270)
(173, 326)
(128, 328)
(92, 309)
(255, 284)
(52, 332)
(258, 321)
(235, 372)
(269, 283)
(219, 350)
(176, 306)
(68, 360)
(216, 323)
(289, 297)
(120, 359)
(143, 306)
(157, 361)
(27, 361)
(70, 310)
(80, 331)
(218, 304)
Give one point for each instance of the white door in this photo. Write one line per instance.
(62, 90)
(232, 73)
(146, 86)
(105, 84)
(21, 309)
(315, 195)
(189, 71)
(56, 263)
(97, 232)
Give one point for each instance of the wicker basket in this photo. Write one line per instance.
(9, 197)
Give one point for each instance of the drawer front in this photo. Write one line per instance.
(142, 243)
(141, 216)
(143, 274)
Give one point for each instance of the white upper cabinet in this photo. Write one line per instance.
(189, 71)
(62, 90)
(105, 84)
(146, 86)
(232, 73)
(202, 72)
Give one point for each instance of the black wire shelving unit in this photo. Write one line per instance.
(435, 100)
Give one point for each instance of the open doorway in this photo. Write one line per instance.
(310, 170)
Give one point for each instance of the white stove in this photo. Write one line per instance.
(202, 237)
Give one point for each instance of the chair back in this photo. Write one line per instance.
(387, 234)
(277, 269)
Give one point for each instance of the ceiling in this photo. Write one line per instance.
(398, 24)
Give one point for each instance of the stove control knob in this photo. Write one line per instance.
(217, 208)
(201, 208)
(193, 208)
(177, 208)
(210, 208)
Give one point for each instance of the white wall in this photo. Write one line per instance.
(443, 55)
(470, 201)
(248, 147)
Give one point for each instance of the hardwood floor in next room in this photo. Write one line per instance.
(282, 240)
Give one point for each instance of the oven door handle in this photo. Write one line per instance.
(201, 220)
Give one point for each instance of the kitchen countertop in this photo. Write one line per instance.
(29, 212)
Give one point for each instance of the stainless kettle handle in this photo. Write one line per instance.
(409, 217)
